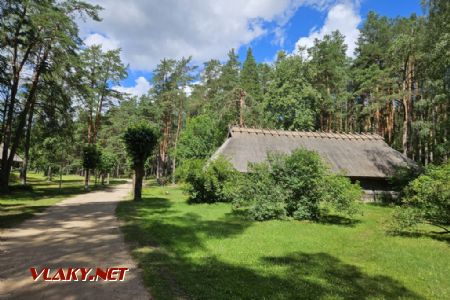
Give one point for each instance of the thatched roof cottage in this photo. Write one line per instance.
(363, 157)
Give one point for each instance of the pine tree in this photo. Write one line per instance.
(331, 70)
(373, 80)
(250, 77)
(34, 32)
(230, 72)
(170, 79)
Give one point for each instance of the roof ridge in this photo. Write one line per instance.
(308, 134)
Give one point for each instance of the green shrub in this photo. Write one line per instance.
(303, 174)
(190, 165)
(427, 200)
(299, 185)
(341, 195)
(258, 192)
(404, 218)
(213, 182)
(267, 209)
(400, 180)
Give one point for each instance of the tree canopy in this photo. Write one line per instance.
(51, 85)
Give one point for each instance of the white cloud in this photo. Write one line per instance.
(343, 17)
(279, 36)
(149, 30)
(98, 39)
(142, 86)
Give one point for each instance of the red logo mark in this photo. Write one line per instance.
(79, 274)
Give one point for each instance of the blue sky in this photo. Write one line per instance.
(149, 30)
(307, 18)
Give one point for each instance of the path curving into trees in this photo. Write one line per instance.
(81, 231)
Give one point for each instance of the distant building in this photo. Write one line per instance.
(17, 159)
(362, 157)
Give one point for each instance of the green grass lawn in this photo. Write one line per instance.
(206, 252)
(21, 203)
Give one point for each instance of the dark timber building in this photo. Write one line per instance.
(17, 161)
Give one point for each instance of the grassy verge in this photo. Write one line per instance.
(207, 252)
(23, 202)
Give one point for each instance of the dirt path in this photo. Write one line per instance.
(81, 231)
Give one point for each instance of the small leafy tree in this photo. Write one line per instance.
(107, 163)
(199, 139)
(258, 192)
(302, 173)
(427, 200)
(211, 183)
(91, 160)
(140, 141)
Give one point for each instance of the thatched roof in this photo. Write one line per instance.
(357, 155)
(17, 158)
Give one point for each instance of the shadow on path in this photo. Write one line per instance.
(78, 232)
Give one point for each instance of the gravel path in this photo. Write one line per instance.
(81, 231)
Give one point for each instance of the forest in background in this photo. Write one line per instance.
(56, 94)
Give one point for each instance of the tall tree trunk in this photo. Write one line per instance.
(432, 135)
(8, 142)
(164, 146)
(177, 135)
(407, 106)
(4, 111)
(6, 136)
(26, 159)
(86, 179)
(98, 115)
(90, 126)
(139, 176)
(17, 66)
(158, 166)
(49, 174)
(241, 108)
(446, 110)
(391, 122)
(406, 121)
(60, 177)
